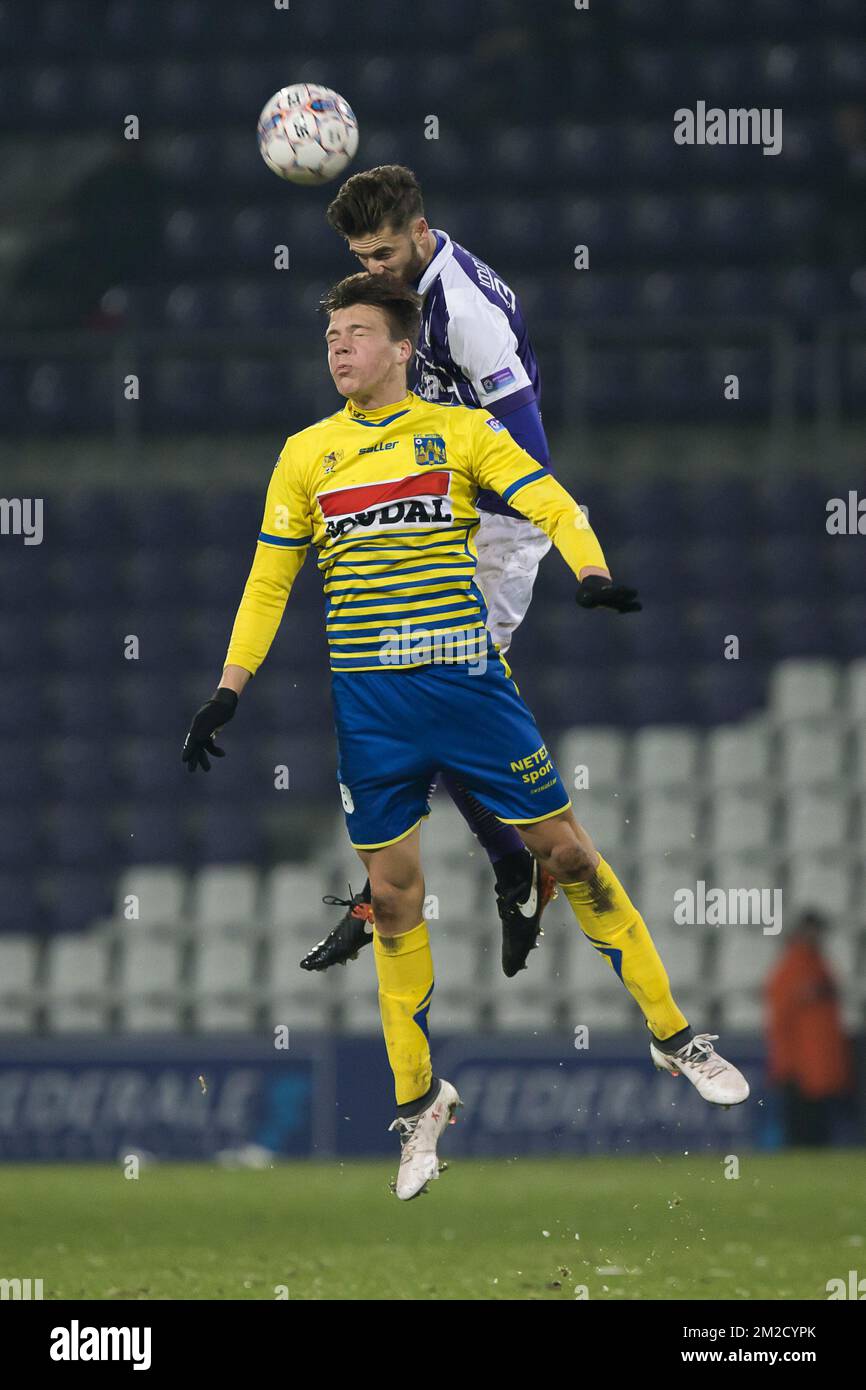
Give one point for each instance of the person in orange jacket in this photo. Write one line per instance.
(809, 1053)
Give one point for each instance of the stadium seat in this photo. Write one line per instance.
(452, 893)
(224, 898)
(810, 755)
(76, 983)
(291, 898)
(605, 816)
(224, 833)
(79, 836)
(739, 822)
(445, 837)
(159, 892)
(20, 901)
(222, 980)
(727, 691)
(526, 1003)
(665, 758)
(295, 1000)
(803, 689)
(19, 958)
(738, 755)
(149, 984)
(823, 883)
(854, 690)
(601, 751)
(153, 833)
(19, 758)
(666, 823)
(816, 821)
(593, 995)
(857, 765)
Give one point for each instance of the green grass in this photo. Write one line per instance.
(664, 1228)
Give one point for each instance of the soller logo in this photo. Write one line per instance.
(429, 450)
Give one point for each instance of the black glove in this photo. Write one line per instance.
(208, 721)
(595, 591)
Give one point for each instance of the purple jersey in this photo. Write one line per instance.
(474, 347)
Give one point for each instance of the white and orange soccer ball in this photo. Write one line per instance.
(307, 134)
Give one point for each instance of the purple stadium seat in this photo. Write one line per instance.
(78, 835)
(75, 898)
(19, 903)
(727, 691)
(655, 693)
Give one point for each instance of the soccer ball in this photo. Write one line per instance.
(307, 134)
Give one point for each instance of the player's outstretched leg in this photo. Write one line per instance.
(404, 966)
(523, 886)
(611, 922)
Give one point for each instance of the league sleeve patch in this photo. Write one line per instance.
(504, 377)
(494, 424)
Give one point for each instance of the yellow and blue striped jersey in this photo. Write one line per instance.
(387, 497)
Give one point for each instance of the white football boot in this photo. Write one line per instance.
(418, 1138)
(716, 1080)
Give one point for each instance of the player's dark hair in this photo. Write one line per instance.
(389, 196)
(400, 305)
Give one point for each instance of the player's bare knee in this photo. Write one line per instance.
(570, 861)
(388, 903)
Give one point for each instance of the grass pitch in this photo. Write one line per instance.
(627, 1228)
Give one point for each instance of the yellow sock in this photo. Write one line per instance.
(610, 920)
(404, 966)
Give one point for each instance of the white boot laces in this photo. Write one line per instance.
(406, 1126)
(700, 1053)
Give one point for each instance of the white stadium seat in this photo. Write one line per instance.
(222, 984)
(298, 999)
(76, 984)
(451, 894)
(816, 821)
(445, 836)
(19, 957)
(745, 957)
(857, 761)
(811, 755)
(160, 891)
(822, 882)
(854, 690)
(666, 823)
(804, 690)
(224, 897)
(739, 822)
(738, 756)
(292, 897)
(601, 751)
(603, 815)
(149, 984)
(665, 758)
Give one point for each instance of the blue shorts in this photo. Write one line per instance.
(397, 729)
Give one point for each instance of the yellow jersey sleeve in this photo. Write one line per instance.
(283, 542)
(498, 462)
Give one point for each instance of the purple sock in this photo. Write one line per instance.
(496, 839)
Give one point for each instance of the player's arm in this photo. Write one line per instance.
(498, 462)
(484, 346)
(281, 549)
